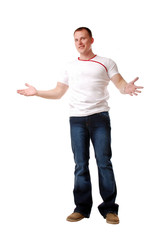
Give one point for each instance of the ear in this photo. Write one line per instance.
(92, 40)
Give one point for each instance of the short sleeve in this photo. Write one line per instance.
(64, 77)
(112, 68)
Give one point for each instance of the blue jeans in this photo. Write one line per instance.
(96, 128)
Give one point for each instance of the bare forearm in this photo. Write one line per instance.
(55, 93)
(49, 94)
(120, 83)
(124, 87)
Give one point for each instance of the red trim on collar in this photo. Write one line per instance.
(100, 64)
(88, 59)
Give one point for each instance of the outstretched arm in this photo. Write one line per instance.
(55, 93)
(124, 87)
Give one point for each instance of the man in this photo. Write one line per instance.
(87, 79)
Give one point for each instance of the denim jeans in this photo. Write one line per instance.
(96, 128)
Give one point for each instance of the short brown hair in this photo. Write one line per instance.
(84, 28)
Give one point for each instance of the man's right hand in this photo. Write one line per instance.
(30, 91)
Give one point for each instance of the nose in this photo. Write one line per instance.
(79, 42)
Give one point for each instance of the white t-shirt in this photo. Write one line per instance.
(88, 81)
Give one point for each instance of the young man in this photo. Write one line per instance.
(87, 79)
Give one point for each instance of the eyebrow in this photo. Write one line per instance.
(80, 38)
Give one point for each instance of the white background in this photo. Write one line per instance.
(36, 162)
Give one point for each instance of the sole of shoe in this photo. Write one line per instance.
(74, 220)
(111, 222)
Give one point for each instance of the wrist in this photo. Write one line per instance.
(37, 93)
(123, 89)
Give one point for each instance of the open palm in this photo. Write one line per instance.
(30, 91)
(132, 89)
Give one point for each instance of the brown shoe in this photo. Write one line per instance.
(112, 218)
(75, 217)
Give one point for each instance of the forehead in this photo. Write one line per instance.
(82, 33)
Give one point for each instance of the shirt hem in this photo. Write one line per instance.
(90, 113)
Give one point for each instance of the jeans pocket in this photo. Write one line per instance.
(105, 116)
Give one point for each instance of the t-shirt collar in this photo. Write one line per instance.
(87, 59)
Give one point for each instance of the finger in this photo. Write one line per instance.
(19, 91)
(139, 87)
(137, 91)
(23, 92)
(136, 79)
(27, 85)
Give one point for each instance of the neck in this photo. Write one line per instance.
(87, 56)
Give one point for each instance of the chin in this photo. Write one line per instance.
(81, 51)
